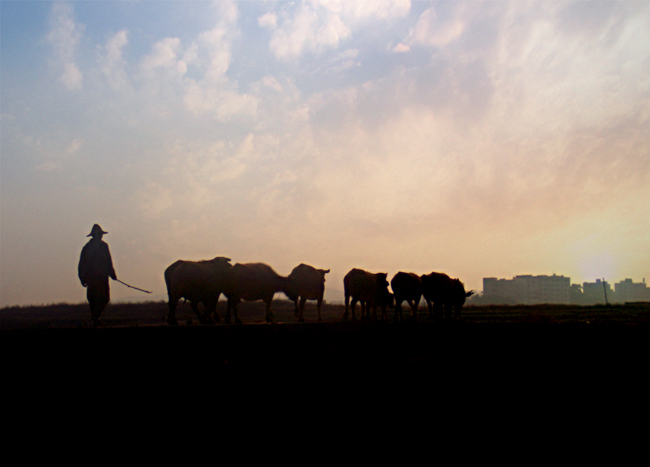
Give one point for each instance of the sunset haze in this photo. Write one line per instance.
(479, 139)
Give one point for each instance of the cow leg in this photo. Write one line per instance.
(217, 318)
(318, 305)
(213, 315)
(171, 317)
(296, 312)
(353, 305)
(398, 307)
(210, 309)
(430, 307)
(438, 311)
(414, 309)
(233, 304)
(269, 312)
(236, 311)
(301, 312)
(195, 309)
(347, 304)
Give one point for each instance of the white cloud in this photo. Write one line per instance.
(217, 44)
(64, 33)
(71, 77)
(431, 31)
(64, 36)
(321, 24)
(332, 32)
(295, 34)
(191, 55)
(268, 20)
(112, 63)
(164, 55)
(354, 10)
(219, 98)
(74, 146)
(272, 83)
(401, 48)
(215, 93)
(308, 29)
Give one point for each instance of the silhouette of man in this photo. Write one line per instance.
(95, 267)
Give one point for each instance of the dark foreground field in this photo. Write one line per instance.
(507, 336)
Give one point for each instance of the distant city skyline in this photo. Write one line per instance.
(471, 138)
(554, 289)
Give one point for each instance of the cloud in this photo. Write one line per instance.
(195, 75)
(71, 77)
(214, 93)
(380, 9)
(64, 37)
(431, 31)
(164, 55)
(268, 20)
(74, 146)
(320, 25)
(219, 99)
(401, 48)
(308, 29)
(518, 132)
(272, 83)
(217, 43)
(111, 61)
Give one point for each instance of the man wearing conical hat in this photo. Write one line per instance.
(95, 267)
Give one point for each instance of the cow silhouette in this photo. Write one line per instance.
(308, 284)
(444, 295)
(197, 281)
(407, 286)
(371, 289)
(255, 281)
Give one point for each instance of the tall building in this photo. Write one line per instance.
(528, 290)
(628, 291)
(594, 293)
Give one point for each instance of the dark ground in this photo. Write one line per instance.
(552, 364)
(490, 336)
(554, 369)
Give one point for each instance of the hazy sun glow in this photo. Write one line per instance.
(474, 138)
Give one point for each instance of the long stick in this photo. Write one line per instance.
(141, 290)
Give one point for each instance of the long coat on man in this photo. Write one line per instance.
(95, 267)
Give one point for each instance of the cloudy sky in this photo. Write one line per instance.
(474, 138)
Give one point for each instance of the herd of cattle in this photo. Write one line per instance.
(205, 281)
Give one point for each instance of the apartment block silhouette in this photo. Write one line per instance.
(533, 290)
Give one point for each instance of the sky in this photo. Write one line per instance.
(479, 139)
